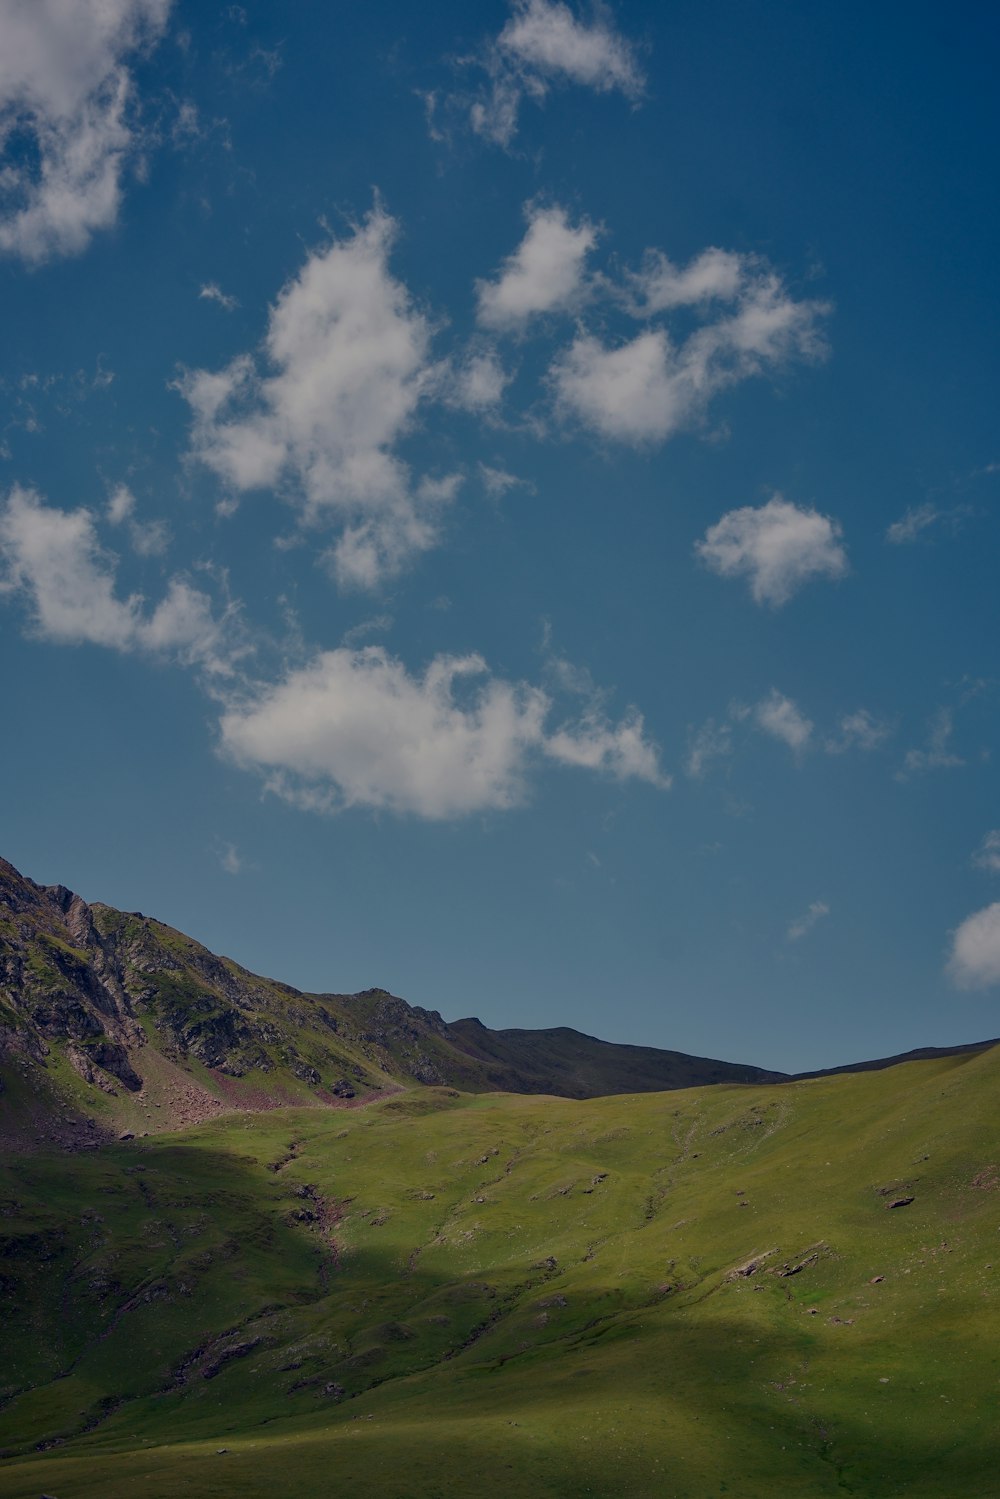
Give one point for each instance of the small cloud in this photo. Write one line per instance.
(778, 716)
(544, 274)
(937, 753)
(497, 481)
(121, 504)
(51, 561)
(987, 856)
(805, 923)
(379, 624)
(860, 730)
(975, 952)
(544, 45)
(920, 518)
(148, 538)
(212, 292)
(778, 546)
(229, 857)
(711, 742)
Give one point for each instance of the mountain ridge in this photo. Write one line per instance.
(117, 1006)
(132, 1024)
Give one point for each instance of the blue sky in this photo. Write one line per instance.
(501, 502)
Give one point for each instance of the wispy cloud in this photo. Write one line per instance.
(212, 292)
(987, 856)
(860, 730)
(804, 924)
(712, 741)
(229, 857)
(779, 717)
(543, 45)
(937, 752)
(921, 518)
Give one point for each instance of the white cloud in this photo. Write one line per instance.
(778, 547)
(148, 538)
(349, 355)
(497, 481)
(621, 750)
(212, 292)
(714, 275)
(859, 730)
(547, 37)
(649, 388)
(229, 857)
(66, 89)
(805, 923)
(544, 274)
(920, 518)
(52, 559)
(121, 504)
(710, 742)
(778, 716)
(355, 729)
(938, 753)
(474, 383)
(987, 856)
(975, 953)
(544, 43)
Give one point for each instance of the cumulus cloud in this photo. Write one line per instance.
(778, 547)
(778, 716)
(975, 952)
(53, 561)
(805, 923)
(987, 856)
(348, 361)
(545, 44)
(544, 274)
(67, 127)
(937, 753)
(647, 389)
(354, 728)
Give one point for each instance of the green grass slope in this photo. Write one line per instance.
(119, 1014)
(698, 1293)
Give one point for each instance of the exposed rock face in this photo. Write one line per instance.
(109, 990)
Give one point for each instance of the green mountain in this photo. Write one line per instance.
(133, 1023)
(746, 1289)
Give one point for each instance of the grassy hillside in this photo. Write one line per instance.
(698, 1293)
(119, 1015)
